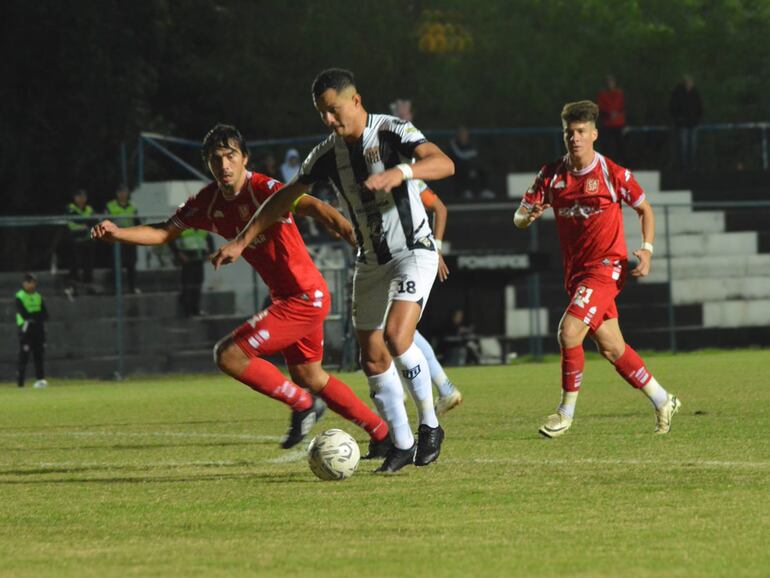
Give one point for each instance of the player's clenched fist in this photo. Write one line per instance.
(104, 231)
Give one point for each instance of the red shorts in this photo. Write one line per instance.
(593, 291)
(293, 326)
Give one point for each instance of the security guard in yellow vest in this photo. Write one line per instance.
(80, 239)
(192, 249)
(124, 214)
(31, 314)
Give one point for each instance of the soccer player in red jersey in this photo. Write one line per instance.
(585, 190)
(293, 323)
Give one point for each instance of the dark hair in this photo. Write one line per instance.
(79, 192)
(29, 277)
(337, 78)
(580, 111)
(223, 136)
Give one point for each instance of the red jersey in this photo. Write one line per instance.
(279, 254)
(588, 210)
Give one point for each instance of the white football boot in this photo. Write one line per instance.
(447, 402)
(555, 425)
(40, 384)
(665, 413)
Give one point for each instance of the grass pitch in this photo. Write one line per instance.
(183, 476)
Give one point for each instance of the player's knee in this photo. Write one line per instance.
(569, 336)
(224, 354)
(374, 364)
(398, 340)
(612, 352)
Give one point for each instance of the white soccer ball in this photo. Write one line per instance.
(333, 455)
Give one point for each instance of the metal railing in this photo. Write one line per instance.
(552, 145)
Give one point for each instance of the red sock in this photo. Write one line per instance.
(631, 368)
(264, 377)
(341, 399)
(573, 361)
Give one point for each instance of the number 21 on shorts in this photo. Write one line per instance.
(582, 296)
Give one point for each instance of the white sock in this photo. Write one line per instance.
(437, 375)
(388, 395)
(412, 367)
(568, 401)
(658, 396)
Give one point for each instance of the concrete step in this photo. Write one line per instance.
(707, 244)
(710, 267)
(153, 305)
(754, 313)
(717, 290)
(681, 221)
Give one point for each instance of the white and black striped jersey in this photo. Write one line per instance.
(384, 223)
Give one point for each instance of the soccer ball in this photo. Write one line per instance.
(333, 455)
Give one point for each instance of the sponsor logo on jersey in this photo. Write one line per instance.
(578, 210)
(592, 186)
(372, 155)
(560, 185)
(245, 212)
(219, 214)
(411, 373)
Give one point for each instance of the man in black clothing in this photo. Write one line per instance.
(686, 109)
(31, 314)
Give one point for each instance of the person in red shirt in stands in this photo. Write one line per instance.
(612, 119)
(293, 324)
(585, 190)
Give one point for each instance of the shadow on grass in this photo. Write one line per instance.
(268, 443)
(259, 477)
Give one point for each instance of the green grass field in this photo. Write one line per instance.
(183, 476)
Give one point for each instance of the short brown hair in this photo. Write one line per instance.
(580, 111)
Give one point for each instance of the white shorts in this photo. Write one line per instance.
(409, 276)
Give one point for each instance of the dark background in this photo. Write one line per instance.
(80, 78)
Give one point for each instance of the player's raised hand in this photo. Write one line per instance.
(104, 231)
(384, 181)
(643, 268)
(443, 270)
(228, 253)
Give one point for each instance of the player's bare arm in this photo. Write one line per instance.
(524, 217)
(439, 227)
(271, 210)
(431, 165)
(154, 234)
(326, 215)
(644, 253)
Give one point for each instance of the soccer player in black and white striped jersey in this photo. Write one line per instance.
(368, 160)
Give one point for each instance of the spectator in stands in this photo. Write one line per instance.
(124, 214)
(470, 177)
(612, 119)
(402, 108)
(460, 343)
(192, 249)
(31, 315)
(686, 109)
(81, 247)
(269, 166)
(290, 166)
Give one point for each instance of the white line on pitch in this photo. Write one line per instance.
(613, 462)
(59, 434)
